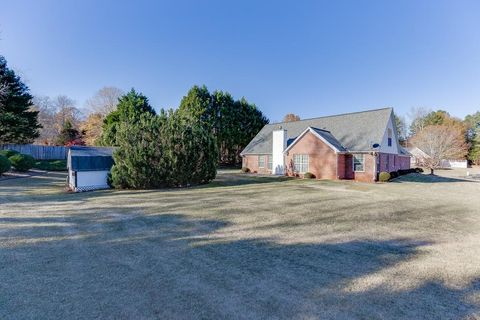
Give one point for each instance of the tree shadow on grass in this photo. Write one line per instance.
(427, 178)
(173, 266)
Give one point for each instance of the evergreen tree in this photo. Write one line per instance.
(18, 123)
(233, 123)
(69, 135)
(168, 150)
(472, 122)
(129, 109)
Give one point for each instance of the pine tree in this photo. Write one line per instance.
(129, 109)
(233, 123)
(69, 135)
(18, 123)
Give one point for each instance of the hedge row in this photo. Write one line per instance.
(386, 176)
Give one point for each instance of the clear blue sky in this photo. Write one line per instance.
(312, 58)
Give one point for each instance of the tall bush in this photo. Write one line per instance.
(4, 164)
(22, 162)
(168, 150)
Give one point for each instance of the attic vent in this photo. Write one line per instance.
(279, 127)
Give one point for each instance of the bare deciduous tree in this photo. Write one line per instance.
(105, 100)
(46, 118)
(440, 142)
(66, 111)
(417, 119)
(53, 114)
(291, 117)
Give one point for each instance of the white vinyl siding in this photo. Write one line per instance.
(261, 161)
(269, 162)
(300, 162)
(359, 162)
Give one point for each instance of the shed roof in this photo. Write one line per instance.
(90, 158)
(356, 131)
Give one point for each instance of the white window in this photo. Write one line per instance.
(270, 162)
(359, 162)
(389, 137)
(261, 161)
(300, 162)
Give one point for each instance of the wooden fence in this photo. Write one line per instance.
(39, 152)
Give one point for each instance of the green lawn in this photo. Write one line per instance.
(243, 247)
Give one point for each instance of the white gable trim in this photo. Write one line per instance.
(309, 129)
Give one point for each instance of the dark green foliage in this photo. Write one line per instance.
(309, 175)
(401, 172)
(8, 153)
(4, 164)
(473, 136)
(394, 174)
(168, 150)
(129, 110)
(67, 134)
(384, 176)
(51, 165)
(233, 123)
(245, 170)
(22, 162)
(18, 124)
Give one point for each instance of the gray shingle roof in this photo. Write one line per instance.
(327, 135)
(90, 158)
(356, 131)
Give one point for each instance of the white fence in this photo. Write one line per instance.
(39, 152)
(454, 164)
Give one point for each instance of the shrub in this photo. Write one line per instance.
(394, 174)
(22, 162)
(418, 170)
(51, 165)
(384, 176)
(4, 164)
(8, 153)
(163, 151)
(309, 175)
(245, 170)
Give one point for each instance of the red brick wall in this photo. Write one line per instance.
(251, 162)
(322, 159)
(368, 174)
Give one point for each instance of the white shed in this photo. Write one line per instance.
(88, 168)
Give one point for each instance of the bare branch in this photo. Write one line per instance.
(440, 142)
(105, 100)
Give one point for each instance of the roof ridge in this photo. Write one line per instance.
(333, 115)
(315, 128)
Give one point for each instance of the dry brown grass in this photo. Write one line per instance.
(244, 247)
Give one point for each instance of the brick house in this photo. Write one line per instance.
(356, 146)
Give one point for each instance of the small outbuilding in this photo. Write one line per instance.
(88, 168)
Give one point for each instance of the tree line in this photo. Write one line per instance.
(58, 120)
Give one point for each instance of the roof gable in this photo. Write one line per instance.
(323, 135)
(354, 131)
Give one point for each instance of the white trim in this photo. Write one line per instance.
(307, 162)
(310, 129)
(261, 155)
(353, 162)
